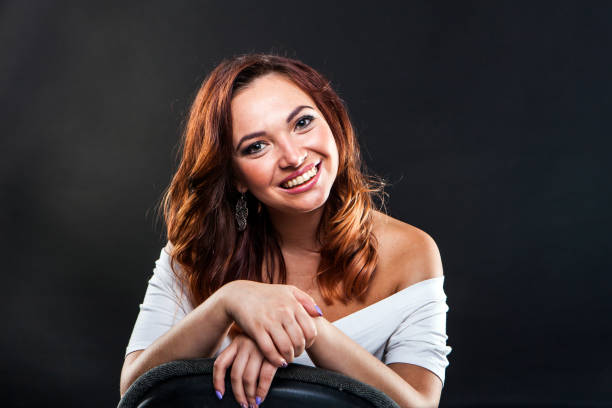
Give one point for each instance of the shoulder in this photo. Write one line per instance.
(407, 254)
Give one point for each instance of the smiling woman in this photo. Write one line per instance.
(275, 246)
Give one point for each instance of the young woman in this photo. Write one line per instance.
(276, 253)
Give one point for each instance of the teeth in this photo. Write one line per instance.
(301, 178)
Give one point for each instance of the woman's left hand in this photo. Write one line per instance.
(251, 373)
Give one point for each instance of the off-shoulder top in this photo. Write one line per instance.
(406, 327)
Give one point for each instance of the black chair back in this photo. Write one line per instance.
(188, 383)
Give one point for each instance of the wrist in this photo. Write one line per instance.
(218, 302)
(225, 297)
(322, 326)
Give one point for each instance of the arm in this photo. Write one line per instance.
(274, 316)
(334, 350)
(199, 334)
(417, 258)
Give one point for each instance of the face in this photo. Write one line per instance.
(284, 152)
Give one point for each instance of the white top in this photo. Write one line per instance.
(406, 327)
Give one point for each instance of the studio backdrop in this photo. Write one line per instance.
(489, 120)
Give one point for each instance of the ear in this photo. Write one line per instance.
(237, 181)
(241, 188)
(240, 185)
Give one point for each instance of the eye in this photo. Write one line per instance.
(254, 148)
(304, 121)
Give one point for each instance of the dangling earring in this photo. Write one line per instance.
(242, 212)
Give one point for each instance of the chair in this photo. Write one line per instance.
(188, 383)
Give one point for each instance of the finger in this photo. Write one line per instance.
(268, 348)
(309, 328)
(307, 301)
(282, 342)
(236, 374)
(250, 376)
(222, 362)
(266, 375)
(294, 331)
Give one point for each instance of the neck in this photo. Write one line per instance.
(298, 232)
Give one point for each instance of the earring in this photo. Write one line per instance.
(242, 212)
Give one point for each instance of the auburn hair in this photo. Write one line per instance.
(197, 206)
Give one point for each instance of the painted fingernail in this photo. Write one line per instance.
(284, 364)
(258, 400)
(219, 395)
(243, 405)
(319, 310)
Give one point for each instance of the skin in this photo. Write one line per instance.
(407, 254)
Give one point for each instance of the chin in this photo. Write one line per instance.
(298, 206)
(303, 209)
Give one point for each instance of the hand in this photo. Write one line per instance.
(251, 373)
(277, 317)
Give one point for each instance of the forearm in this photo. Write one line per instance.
(334, 350)
(199, 334)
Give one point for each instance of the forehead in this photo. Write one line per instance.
(266, 99)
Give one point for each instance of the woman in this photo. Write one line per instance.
(275, 248)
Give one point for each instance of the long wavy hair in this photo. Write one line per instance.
(197, 206)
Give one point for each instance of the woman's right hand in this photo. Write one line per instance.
(251, 374)
(277, 317)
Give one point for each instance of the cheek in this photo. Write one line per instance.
(255, 174)
(331, 147)
(325, 140)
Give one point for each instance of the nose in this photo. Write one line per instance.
(292, 155)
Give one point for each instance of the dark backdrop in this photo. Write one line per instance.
(490, 119)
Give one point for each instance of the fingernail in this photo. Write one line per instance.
(284, 364)
(243, 405)
(219, 395)
(258, 400)
(319, 310)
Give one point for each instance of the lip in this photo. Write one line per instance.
(306, 186)
(300, 172)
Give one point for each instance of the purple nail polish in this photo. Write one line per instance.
(258, 400)
(219, 395)
(284, 365)
(319, 310)
(243, 405)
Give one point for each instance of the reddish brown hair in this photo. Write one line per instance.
(197, 205)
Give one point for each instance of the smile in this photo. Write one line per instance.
(302, 178)
(304, 181)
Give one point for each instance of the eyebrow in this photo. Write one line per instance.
(261, 133)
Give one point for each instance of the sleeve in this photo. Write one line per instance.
(420, 338)
(165, 304)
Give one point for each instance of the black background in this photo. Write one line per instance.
(491, 120)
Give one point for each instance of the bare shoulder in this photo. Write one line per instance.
(407, 254)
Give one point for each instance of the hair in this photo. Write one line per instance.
(197, 205)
